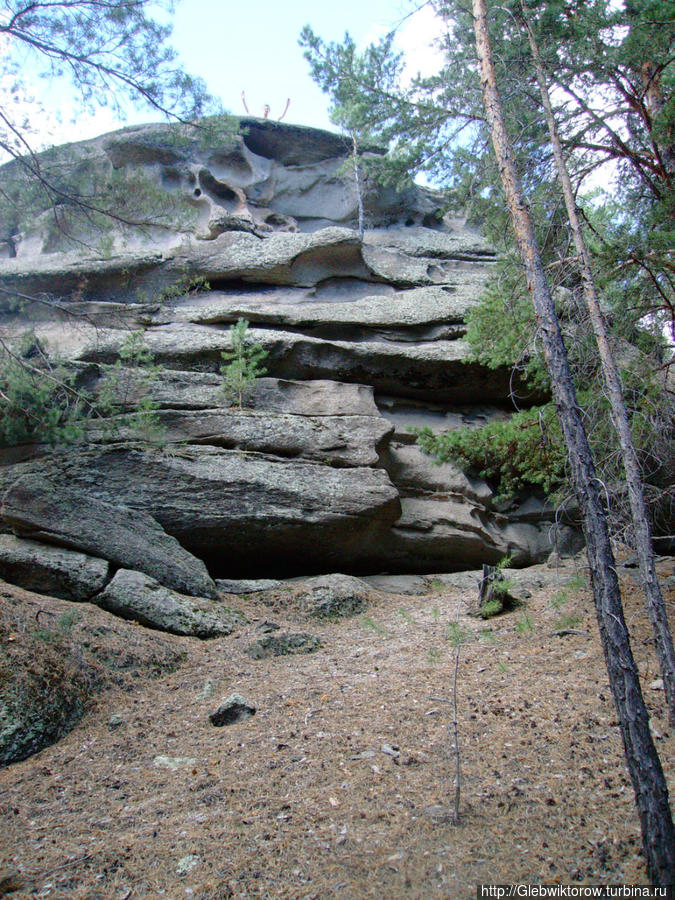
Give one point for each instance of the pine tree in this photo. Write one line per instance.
(641, 533)
(241, 366)
(649, 784)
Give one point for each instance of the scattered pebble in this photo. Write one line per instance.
(389, 750)
(187, 864)
(207, 691)
(174, 762)
(439, 814)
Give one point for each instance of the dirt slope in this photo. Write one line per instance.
(333, 789)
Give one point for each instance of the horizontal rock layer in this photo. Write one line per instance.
(236, 509)
(335, 440)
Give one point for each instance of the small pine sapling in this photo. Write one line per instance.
(40, 402)
(242, 364)
(125, 399)
(457, 637)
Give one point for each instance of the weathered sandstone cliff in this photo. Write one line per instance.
(364, 339)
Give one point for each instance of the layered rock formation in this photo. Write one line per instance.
(319, 473)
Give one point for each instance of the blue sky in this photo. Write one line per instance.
(253, 47)
(257, 51)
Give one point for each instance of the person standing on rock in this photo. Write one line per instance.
(266, 108)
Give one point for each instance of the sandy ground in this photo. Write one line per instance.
(342, 784)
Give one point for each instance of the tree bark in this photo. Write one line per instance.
(642, 538)
(359, 184)
(487, 590)
(644, 765)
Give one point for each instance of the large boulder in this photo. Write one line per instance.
(55, 656)
(51, 570)
(312, 476)
(41, 699)
(134, 595)
(58, 513)
(226, 174)
(331, 596)
(324, 596)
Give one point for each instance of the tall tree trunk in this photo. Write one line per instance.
(359, 184)
(642, 538)
(651, 793)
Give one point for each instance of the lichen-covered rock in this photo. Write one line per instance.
(332, 596)
(178, 390)
(454, 241)
(51, 570)
(58, 513)
(336, 440)
(246, 585)
(40, 704)
(234, 708)
(134, 595)
(235, 509)
(55, 656)
(286, 644)
(334, 307)
(437, 369)
(265, 212)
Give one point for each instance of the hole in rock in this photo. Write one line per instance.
(171, 177)
(276, 219)
(237, 286)
(288, 566)
(230, 164)
(433, 219)
(278, 563)
(215, 187)
(285, 565)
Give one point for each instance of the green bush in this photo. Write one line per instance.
(41, 402)
(525, 451)
(491, 609)
(39, 399)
